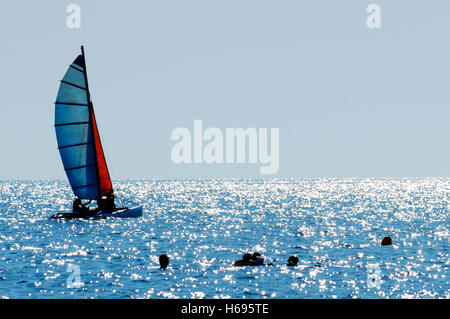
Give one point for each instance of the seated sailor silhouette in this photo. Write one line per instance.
(78, 205)
(109, 201)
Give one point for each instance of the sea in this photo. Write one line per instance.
(334, 227)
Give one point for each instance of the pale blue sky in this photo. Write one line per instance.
(349, 101)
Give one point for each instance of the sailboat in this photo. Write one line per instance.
(81, 149)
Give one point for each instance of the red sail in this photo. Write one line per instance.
(103, 173)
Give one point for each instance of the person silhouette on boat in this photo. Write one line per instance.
(100, 204)
(109, 201)
(78, 206)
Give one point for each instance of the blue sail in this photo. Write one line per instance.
(73, 132)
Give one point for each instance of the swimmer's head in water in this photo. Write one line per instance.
(163, 261)
(387, 241)
(292, 261)
(247, 257)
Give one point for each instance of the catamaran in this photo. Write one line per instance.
(81, 149)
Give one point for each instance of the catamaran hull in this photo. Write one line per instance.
(119, 213)
(122, 213)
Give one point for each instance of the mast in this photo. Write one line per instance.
(91, 126)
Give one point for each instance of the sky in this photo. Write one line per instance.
(348, 101)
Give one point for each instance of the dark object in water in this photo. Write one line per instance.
(254, 256)
(246, 261)
(163, 261)
(292, 261)
(387, 241)
(258, 258)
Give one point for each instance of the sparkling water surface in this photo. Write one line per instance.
(334, 226)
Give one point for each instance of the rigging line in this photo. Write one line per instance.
(91, 124)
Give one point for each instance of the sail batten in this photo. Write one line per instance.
(73, 145)
(73, 104)
(85, 186)
(74, 67)
(73, 84)
(74, 123)
(78, 167)
(77, 135)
